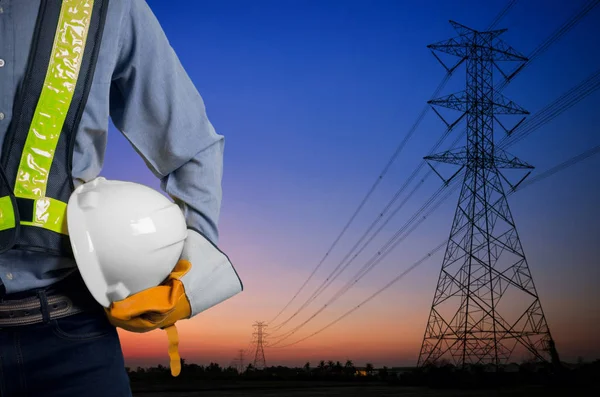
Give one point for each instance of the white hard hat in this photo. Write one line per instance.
(126, 237)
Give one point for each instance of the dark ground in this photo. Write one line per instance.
(318, 389)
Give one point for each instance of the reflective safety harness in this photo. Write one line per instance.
(36, 162)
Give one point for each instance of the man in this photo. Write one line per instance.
(65, 68)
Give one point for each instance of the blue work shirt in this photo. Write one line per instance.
(141, 85)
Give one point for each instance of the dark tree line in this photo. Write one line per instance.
(443, 375)
(329, 370)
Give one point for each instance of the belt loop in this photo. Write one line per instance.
(44, 305)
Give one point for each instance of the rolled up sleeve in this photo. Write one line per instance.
(156, 106)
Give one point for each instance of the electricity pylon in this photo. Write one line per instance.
(485, 304)
(259, 357)
(240, 360)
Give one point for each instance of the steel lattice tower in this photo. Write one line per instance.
(259, 357)
(485, 305)
(240, 359)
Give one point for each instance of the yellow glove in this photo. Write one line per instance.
(157, 307)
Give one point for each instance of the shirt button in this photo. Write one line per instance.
(9, 276)
(1, 62)
(1, 116)
(1, 10)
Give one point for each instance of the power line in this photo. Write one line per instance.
(501, 14)
(337, 271)
(567, 100)
(539, 50)
(527, 129)
(367, 196)
(378, 257)
(554, 37)
(559, 32)
(546, 174)
(559, 167)
(396, 153)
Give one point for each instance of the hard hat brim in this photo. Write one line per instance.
(85, 254)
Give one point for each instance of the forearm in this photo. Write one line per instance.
(196, 188)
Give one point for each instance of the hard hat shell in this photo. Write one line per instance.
(126, 237)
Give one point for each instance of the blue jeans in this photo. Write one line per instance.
(75, 356)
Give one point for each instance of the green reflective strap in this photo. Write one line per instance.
(50, 214)
(7, 213)
(51, 111)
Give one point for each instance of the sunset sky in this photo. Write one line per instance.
(313, 97)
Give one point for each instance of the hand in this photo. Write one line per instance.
(156, 307)
(185, 293)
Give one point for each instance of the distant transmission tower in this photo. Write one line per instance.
(486, 304)
(259, 357)
(240, 359)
